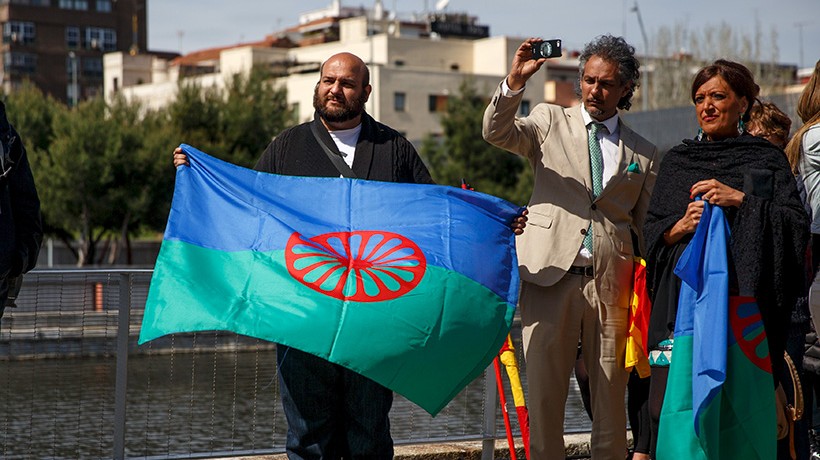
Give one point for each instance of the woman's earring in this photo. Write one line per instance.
(699, 137)
(741, 127)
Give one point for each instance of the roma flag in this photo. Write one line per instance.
(719, 401)
(413, 286)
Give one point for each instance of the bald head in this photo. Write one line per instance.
(347, 63)
(342, 91)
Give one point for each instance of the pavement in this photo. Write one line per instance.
(577, 446)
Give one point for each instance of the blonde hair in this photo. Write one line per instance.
(808, 109)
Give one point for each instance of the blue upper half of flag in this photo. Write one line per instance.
(703, 306)
(434, 217)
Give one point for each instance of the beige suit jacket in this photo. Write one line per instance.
(555, 142)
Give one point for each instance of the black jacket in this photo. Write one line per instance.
(382, 154)
(769, 230)
(21, 229)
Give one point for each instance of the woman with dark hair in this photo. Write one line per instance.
(750, 179)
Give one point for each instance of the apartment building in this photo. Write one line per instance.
(415, 64)
(59, 44)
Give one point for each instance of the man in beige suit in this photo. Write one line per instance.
(593, 179)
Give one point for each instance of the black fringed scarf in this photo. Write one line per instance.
(769, 231)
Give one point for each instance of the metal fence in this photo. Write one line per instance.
(75, 384)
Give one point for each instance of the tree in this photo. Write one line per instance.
(103, 170)
(32, 113)
(144, 195)
(254, 112)
(463, 153)
(81, 178)
(680, 52)
(235, 124)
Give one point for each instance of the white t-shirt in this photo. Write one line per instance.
(345, 140)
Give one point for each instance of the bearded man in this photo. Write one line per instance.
(333, 412)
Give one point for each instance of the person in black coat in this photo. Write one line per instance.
(333, 412)
(21, 228)
(751, 180)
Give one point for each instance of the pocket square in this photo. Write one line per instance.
(634, 168)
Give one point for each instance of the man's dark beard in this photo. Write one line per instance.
(351, 109)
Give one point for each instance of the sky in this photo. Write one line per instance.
(186, 26)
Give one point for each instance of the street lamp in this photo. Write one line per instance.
(644, 99)
(74, 89)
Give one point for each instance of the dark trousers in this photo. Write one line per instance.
(332, 412)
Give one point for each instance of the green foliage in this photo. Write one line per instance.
(103, 170)
(32, 113)
(235, 125)
(84, 177)
(463, 153)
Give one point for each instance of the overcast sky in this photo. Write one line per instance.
(185, 25)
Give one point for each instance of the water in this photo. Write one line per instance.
(188, 404)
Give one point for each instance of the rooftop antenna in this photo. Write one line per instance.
(180, 34)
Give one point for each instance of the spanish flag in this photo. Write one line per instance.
(639, 309)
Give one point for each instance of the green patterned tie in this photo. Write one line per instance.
(596, 165)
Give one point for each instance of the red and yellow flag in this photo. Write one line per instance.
(507, 357)
(639, 309)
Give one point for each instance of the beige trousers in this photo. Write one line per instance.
(553, 318)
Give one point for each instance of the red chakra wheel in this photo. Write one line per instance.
(361, 266)
(747, 328)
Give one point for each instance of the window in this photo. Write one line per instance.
(92, 67)
(27, 2)
(72, 37)
(72, 94)
(104, 6)
(74, 4)
(437, 103)
(20, 62)
(18, 32)
(524, 108)
(100, 38)
(399, 101)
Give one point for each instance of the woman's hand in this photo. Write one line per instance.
(686, 225)
(717, 193)
(180, 159)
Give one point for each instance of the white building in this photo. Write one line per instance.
(412, 70)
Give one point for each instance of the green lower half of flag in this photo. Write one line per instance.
(426, 344)
(739, 422)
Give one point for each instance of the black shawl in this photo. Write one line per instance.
(769, 231)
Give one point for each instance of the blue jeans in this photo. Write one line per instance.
(332, 412)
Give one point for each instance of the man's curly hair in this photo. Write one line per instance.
(617, 50)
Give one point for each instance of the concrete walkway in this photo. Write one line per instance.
(577, 447)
